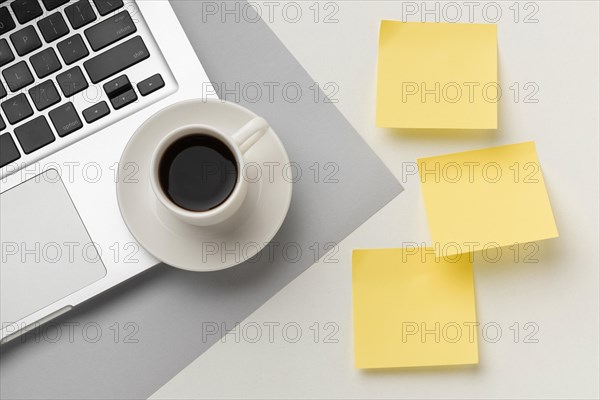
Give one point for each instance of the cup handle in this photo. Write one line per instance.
(249, 134)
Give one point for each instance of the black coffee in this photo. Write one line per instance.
(198, 172)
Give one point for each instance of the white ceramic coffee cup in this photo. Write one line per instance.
(239, 143)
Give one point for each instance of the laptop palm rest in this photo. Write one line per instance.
(46, 252)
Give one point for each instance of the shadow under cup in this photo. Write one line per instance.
(198, 172)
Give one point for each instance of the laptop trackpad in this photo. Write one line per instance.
(47, 253)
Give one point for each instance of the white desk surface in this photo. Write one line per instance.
(559, 293)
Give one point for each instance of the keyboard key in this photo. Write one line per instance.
(2, 91)
(106, 6)
(117, 85)
(53, 27)
(17, 76)
(72, 49)
(7, 23)
(80, 13)
(17, 108)
(120, 92)
(26, 10)
(110, 30)
(72, 81)
(123, 99)
(151, 84)
(116, 59)
(25, 40)
(2, 124)
(52, 4)
(6, 54)
(44, 95)
(34, 134)
(8, 150)
(45, 62)
(65, 119)
(96, 112)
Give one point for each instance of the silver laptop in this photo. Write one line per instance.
(77, 79)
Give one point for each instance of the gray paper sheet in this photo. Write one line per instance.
(152, 326)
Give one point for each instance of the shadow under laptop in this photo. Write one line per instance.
(226, 286)
(108, 299)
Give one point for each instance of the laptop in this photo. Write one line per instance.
(77, 78)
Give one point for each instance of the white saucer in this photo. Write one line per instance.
(203, 248)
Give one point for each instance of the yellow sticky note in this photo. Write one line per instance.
(437, 75)
(412, 309)
(485, 199)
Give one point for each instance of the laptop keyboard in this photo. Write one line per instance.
(51, 51)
